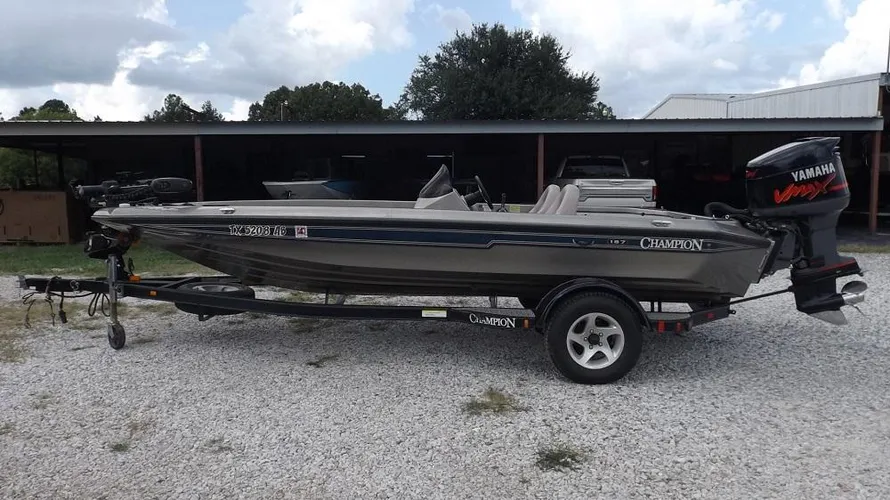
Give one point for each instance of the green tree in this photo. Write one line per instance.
(322, 102)
(19, 168)
(494, 74)
(175, 109)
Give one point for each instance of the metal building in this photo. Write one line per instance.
(856, 97)
(866, 96)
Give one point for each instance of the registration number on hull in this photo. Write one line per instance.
(257, 230)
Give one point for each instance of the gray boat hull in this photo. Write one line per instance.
(357, 247)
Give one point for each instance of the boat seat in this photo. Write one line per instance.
(568, 202)
(548, 200)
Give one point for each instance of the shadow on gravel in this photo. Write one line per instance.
(352, 343)
(512, 354)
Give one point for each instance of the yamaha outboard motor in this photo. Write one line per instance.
(801, 189)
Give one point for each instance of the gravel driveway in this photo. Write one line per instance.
(768, 403)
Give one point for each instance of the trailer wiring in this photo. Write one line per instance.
(98, 302)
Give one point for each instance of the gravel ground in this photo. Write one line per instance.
(768, 403)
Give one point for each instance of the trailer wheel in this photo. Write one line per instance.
(225, 289)
(116, 336)
(594, 338)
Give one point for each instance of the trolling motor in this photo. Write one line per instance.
(112, 193)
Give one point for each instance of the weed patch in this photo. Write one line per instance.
(560, 456)
(493, 401)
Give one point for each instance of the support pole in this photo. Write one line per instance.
(199, 168)
(60, 167)
(875, 178)
(540, 164)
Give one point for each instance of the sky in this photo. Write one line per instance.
(118, 58)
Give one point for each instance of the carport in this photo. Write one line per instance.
(692, 159)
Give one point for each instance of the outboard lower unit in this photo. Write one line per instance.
(799, 191)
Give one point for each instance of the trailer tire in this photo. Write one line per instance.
(611, 333)
(225, 289)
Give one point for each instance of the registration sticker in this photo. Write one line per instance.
(301, 232)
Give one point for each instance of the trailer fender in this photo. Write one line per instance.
(571, 287)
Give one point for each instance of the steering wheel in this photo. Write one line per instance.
(484, 193)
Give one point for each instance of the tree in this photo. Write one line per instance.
(53, 109)
(176, 110)
(20, 167)
(321, 102)
(491, 74)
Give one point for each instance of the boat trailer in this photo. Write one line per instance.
(558, 311)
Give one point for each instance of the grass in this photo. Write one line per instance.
(493, 401)
(560, 456)
(863, 248)
(70, 259)
(12, 317)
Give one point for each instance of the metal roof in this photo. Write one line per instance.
(475, 127)
(848, 97)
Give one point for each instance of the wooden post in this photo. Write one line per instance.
(875, 178)
(199, 168)
(540, 164)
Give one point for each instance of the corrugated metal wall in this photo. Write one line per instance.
(854, 99)
(851, 97)
(690, 107)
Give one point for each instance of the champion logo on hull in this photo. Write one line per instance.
(813, 172)
(692, 245)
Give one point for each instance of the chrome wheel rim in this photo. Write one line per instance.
(595, 341)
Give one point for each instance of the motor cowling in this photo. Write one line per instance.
(802, 185)
(799, 179)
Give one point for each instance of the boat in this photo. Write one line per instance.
(334, 189)
(320, 179)
(447, 244)
(580, 277)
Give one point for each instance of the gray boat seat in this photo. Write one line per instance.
(548, 200)
(568, 202)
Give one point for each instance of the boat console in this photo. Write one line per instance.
(439, 194)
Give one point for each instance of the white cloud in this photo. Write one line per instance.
(120, 100)
(238, 111)
(645, 49)
(836, 9)
(284, 42)
(725, 65)
(451, 18)
(155, 10)
(862, 51)
(770, 20)
(276, 42)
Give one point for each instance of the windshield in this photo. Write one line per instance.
(593, 167)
